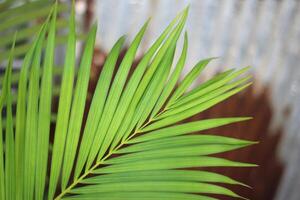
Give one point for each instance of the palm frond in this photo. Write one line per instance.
(134, 143)
(26, 18)
(31, 120)
(8, 182)
(78, 106)
(63, 110)
(44, 114)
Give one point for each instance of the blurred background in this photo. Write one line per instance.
(264, 34)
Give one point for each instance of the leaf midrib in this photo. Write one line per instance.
(97, 164)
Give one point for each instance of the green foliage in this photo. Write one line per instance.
(26, 18)
(133, 143)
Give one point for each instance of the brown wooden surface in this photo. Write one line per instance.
(265, 178)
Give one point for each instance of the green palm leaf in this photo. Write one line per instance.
(8, 176)
(31, 129)
(44, 116)
(78, 106)
(141, 195)
(25, 18)
(63, 110)
(156, 175)
(133, 144)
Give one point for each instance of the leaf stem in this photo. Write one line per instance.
(76, 181)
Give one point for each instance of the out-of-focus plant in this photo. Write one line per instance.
(26, 18)
(133, 143)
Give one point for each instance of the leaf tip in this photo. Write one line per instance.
(187, 8)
